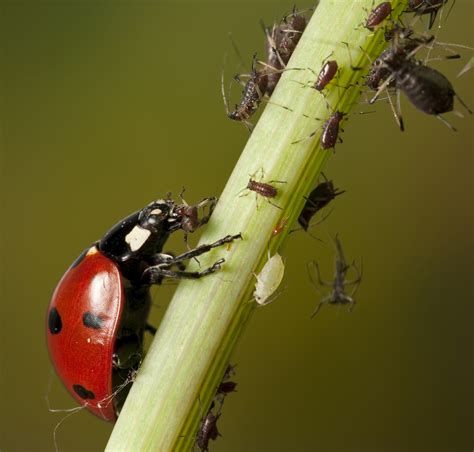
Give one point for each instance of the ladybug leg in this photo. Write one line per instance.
(154, 275)
(199, 250)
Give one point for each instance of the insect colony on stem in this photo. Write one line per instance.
(130, 253)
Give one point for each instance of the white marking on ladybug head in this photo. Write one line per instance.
(156, 212)
(137, 237)
(269, 279)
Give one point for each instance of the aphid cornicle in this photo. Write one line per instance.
(269, 279)
(338, 294)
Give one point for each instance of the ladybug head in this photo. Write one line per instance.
(158, 216)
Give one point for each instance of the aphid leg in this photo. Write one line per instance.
(318, 274)
(383, 86)
(312, 134)
(464, 104)
(446, 123)
(326, 300)
(273, 204)
(354, 68)
(151, 329)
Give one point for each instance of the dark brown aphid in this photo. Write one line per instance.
(226, 387)
(280, 44)
(330, 134)
(426, 88)
(320, 197)
(422, 7)
(292, 28)
(338, 285)
(189, 215)
(252, 95)
(327, 73)
(378, 15)
(208, 430)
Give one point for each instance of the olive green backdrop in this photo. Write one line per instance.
(107, 105)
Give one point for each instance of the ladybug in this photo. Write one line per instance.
(98, 313)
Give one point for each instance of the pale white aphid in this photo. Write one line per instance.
(269, 279)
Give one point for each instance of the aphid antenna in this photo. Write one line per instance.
(272, 41)
(295, 11)
(225, 97)
(312, 225)
(351, 63)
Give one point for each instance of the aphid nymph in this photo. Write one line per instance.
(269, 279)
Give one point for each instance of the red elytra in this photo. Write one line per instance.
(90, 293)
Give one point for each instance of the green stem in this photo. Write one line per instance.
(193, 345)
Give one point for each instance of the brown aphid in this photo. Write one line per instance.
(327, 73)
(252, 95)
(319, 198)
(208, 430)
(280, 44)
(292, 27)
(262, 188)
(330, 134)
(378, 15)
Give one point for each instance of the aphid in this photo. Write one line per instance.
(431, 7)
(338, 285)
(265, 189)
(226, 387)
(280, 43)
(190, 220)
(269, 279)
(320, 197)
(426, 88)
(208, 429)
(378, 15)
(330, 134)
(280, 226)
(252, 95)
(262, 188)
(327, 73)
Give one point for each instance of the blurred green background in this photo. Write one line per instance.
(107, 105)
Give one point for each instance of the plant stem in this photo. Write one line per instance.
(193, 345)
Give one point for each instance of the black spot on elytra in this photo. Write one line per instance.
(83, 392)
(80, 258)
(54, 321)
(92, 321)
